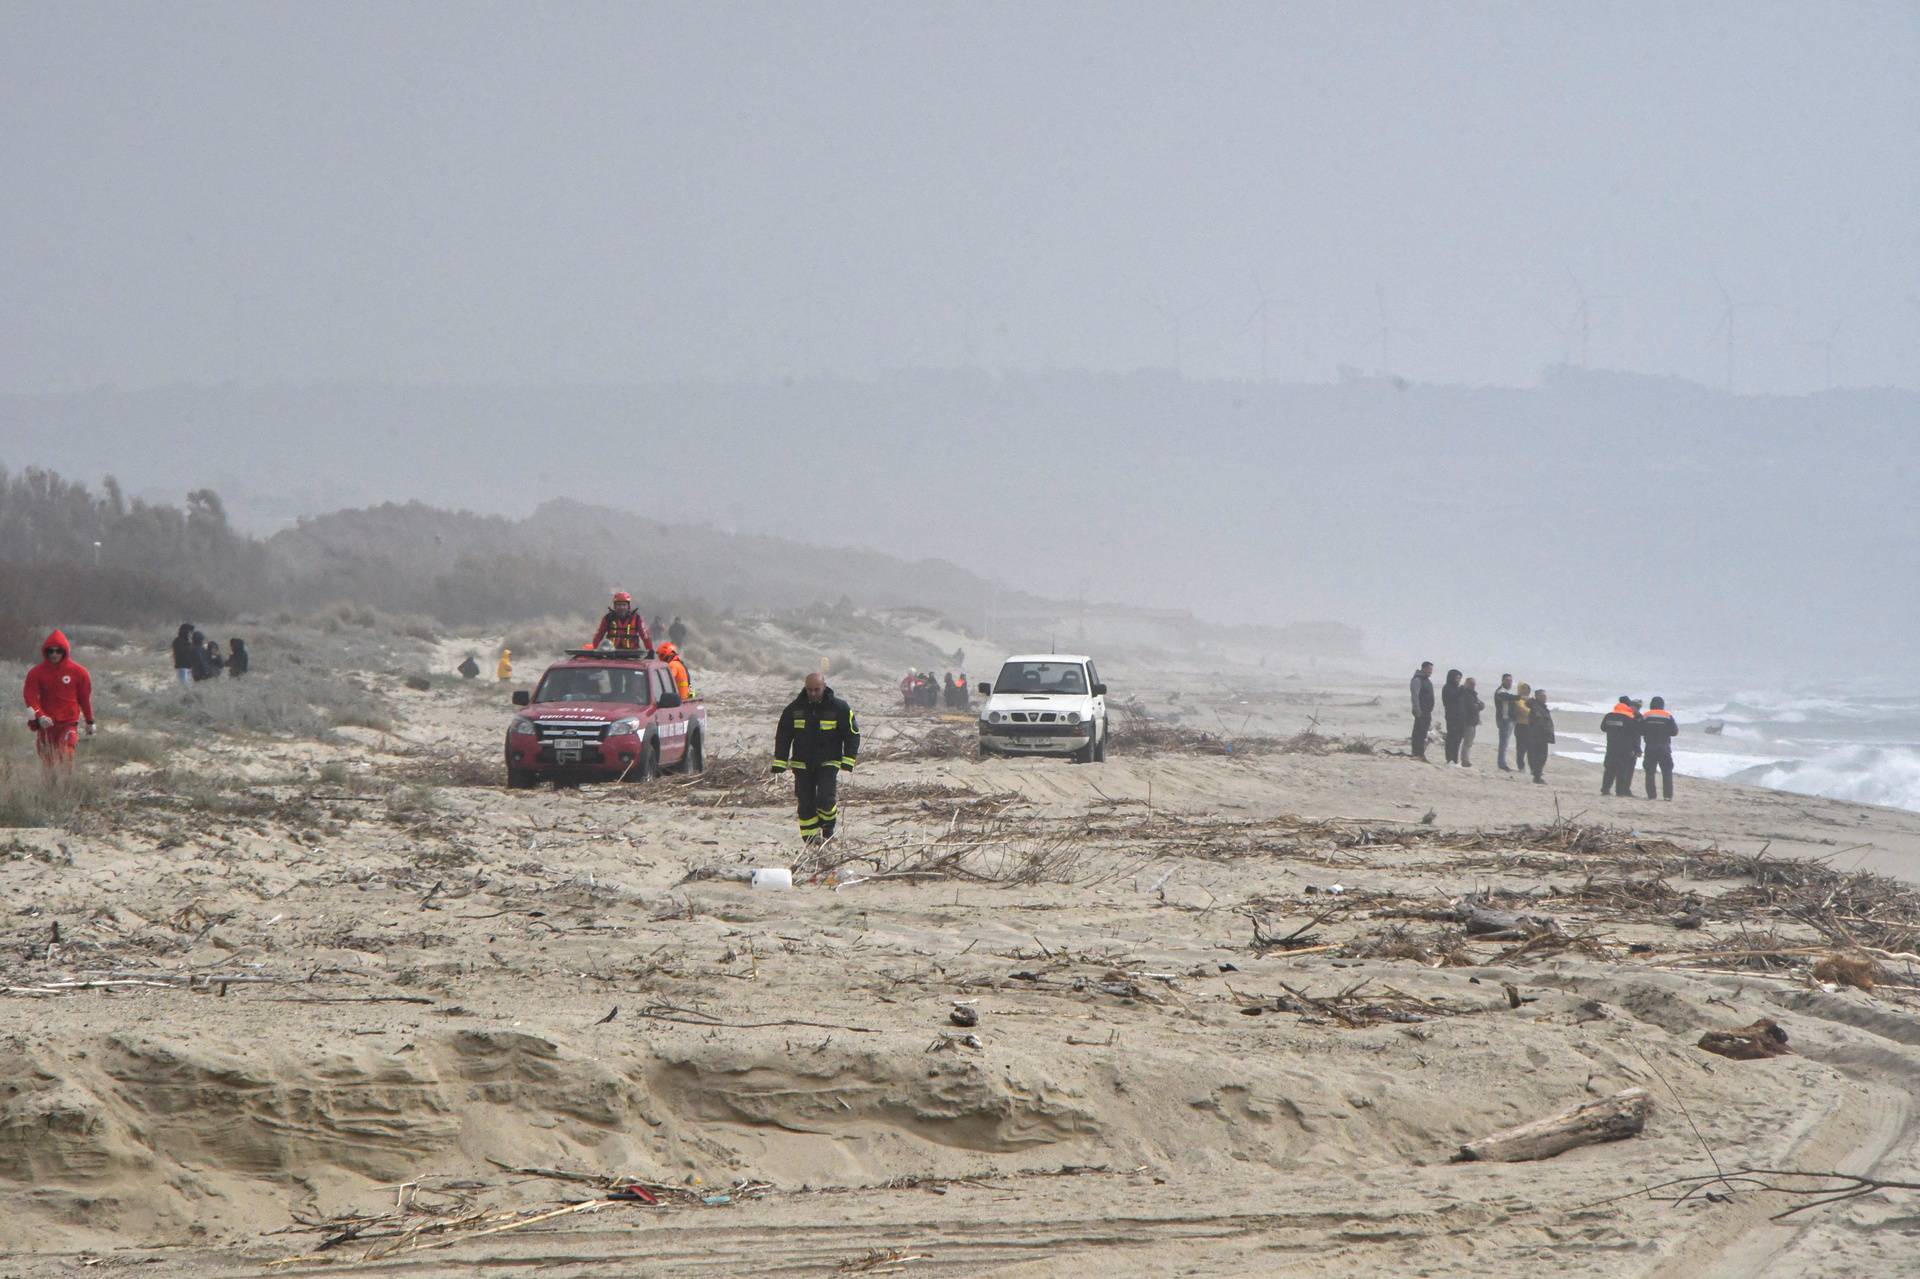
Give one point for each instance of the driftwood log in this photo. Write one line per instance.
(1611, 1119)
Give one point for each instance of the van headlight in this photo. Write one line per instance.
(524, 728)
(994, 718)
(1073, 717)
(624, 727)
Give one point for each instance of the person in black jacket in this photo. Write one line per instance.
(1467, 708)
(1622, 727)
(1503, 699)
(202, 668)
(183, 659)
(818, 739)
(1421, 689)
(1450, 710)
(469, 669)
(1657, 731)
(238, 660)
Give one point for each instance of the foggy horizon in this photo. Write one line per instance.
(474, 194)
(1267, 312)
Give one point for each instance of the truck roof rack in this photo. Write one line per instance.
(611, 654)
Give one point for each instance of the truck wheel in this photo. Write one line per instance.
(521, 778)
(695, 758)
(647, 767)
(1100, 746)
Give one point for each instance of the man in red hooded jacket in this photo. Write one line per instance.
(59, 696)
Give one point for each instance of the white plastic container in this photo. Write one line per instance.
(775, 878)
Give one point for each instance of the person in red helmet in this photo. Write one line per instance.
(59, 695)
(623, 627)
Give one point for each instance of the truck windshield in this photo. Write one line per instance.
(1040, 678)
(593, 684)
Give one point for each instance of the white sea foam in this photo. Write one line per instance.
(1887, 775)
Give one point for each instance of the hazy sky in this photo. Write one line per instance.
(534, 193)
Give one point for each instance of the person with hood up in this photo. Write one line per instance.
(239, 662)
(1622, 727)
(59, 696)
(216, 660)
(1450, 713)
(1658, 728)
(469, 668)
(670, 654)
(183, 662)
(202, 669)
(1539, 734)
(817, 740)
(1421, 689)
(504, 671)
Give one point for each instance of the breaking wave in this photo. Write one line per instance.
(1888, 775)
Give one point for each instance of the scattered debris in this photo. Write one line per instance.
(1764, 1038)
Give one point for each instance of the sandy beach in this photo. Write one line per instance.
(350, 1004)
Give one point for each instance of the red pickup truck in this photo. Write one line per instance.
(604, 714)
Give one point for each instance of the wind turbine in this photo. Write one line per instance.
(1729, 319)
(1175, 320)
(1826, 347)
(1583, 313)
(1387, 330)
(1260, 313)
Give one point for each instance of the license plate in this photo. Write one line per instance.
(567, 752)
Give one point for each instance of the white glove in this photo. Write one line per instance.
(44, 722)
(89, 728)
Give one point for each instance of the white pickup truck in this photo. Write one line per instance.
(1046, 704)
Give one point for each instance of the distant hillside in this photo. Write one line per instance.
(1602, 520)
(567, 555)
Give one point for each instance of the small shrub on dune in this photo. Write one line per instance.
(287, 703)
(29, 798)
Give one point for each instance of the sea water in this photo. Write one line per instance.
(1859, 745)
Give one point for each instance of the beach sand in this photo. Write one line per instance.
(1146, 1090)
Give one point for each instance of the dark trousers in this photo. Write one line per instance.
(817, 789)
(1536, 752)
(1421, 725)
(1663, 763)
(1452, 739)
(1617, 775)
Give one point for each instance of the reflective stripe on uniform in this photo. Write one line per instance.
(781, 763)
(829, 723)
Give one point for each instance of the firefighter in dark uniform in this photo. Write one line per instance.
(1657, 731)
(818, 739)
(1622, 727)
(624, 628)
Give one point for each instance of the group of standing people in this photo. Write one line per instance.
(196, 658)
(1520, 713)
(1524, 719)
(1632, 734)
(920, 689)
